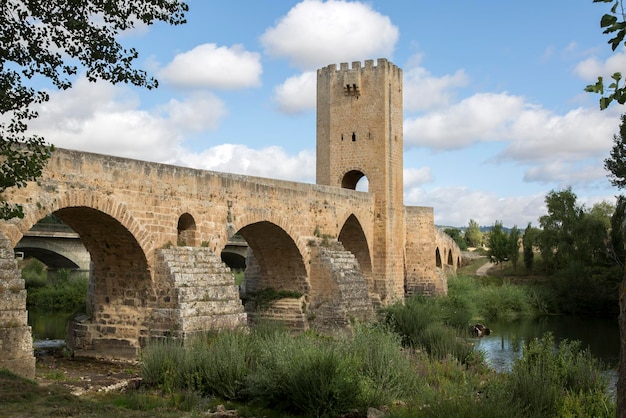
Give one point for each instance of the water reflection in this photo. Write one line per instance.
(504, 345)
(48, 325)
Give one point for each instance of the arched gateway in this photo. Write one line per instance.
(155, 233)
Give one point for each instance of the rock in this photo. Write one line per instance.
(375, 413)
(221, 412)
(480, 330)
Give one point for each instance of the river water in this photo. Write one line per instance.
(504, 345)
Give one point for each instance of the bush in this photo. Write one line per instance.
(303, 374)
(544, 378)
(421, 322)
(385, 373)
(34, 273)
(63, 294)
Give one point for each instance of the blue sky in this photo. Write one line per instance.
(495, 115)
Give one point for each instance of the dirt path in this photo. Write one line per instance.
(83, 375)
(484, 269)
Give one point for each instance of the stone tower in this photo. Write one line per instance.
(359, 133)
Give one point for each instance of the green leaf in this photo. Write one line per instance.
(607, 20)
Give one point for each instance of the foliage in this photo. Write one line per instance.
(498, 244)
(614, 24)
(528, 243)
(458, 237)
(422, 324)
(62, 293)
(513, 246)
(617, 232)
(473, 236)
(540, 379)
(615, 164)
(34, 273)
(304, 374)
(49, 41)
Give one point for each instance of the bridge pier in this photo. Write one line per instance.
(16, 342)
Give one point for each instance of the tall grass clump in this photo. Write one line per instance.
(557, 380)
(161, 364)
(302, 374)
(215, 364)
(223, 363)
(506, 301)
(421, 323)
(385, 372)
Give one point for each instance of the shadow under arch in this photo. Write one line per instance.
(186, 230)
(450, 259)
(120, 284)
(353, 239)
(351, 179)
(438, 258)
(274, 260)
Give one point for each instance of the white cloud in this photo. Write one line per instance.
(240, 159)
(416, 176)
(539, 135)
(107, 119)
(482, 117)
(455, 206)
(297, 93)
(213, 67)
(201, 111)
(315, 33)
(566, 174)
(423, 91)
(592, 67)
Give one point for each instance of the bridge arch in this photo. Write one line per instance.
(351, 178)
(274, 260)
(353, 239)
(120, 283)
(186, 230)
(99, 202)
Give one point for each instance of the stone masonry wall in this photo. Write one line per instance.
(339, 289)
(421, 277)
(16, 344)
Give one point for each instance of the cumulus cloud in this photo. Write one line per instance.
(423, 91)
(455, 206)
(538, 134)
(199, 112)
(212, 67)
(308, 35)
(240, 159)
(297, 93)
(482, 117)
(592, 67)
(414, 177)
(107, 119)
(565, 173)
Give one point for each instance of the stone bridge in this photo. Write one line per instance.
(57, 248)
(155, 233)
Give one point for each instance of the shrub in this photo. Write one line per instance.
(385, 373)
(303, 375)
(542, 380)
(222, 363)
